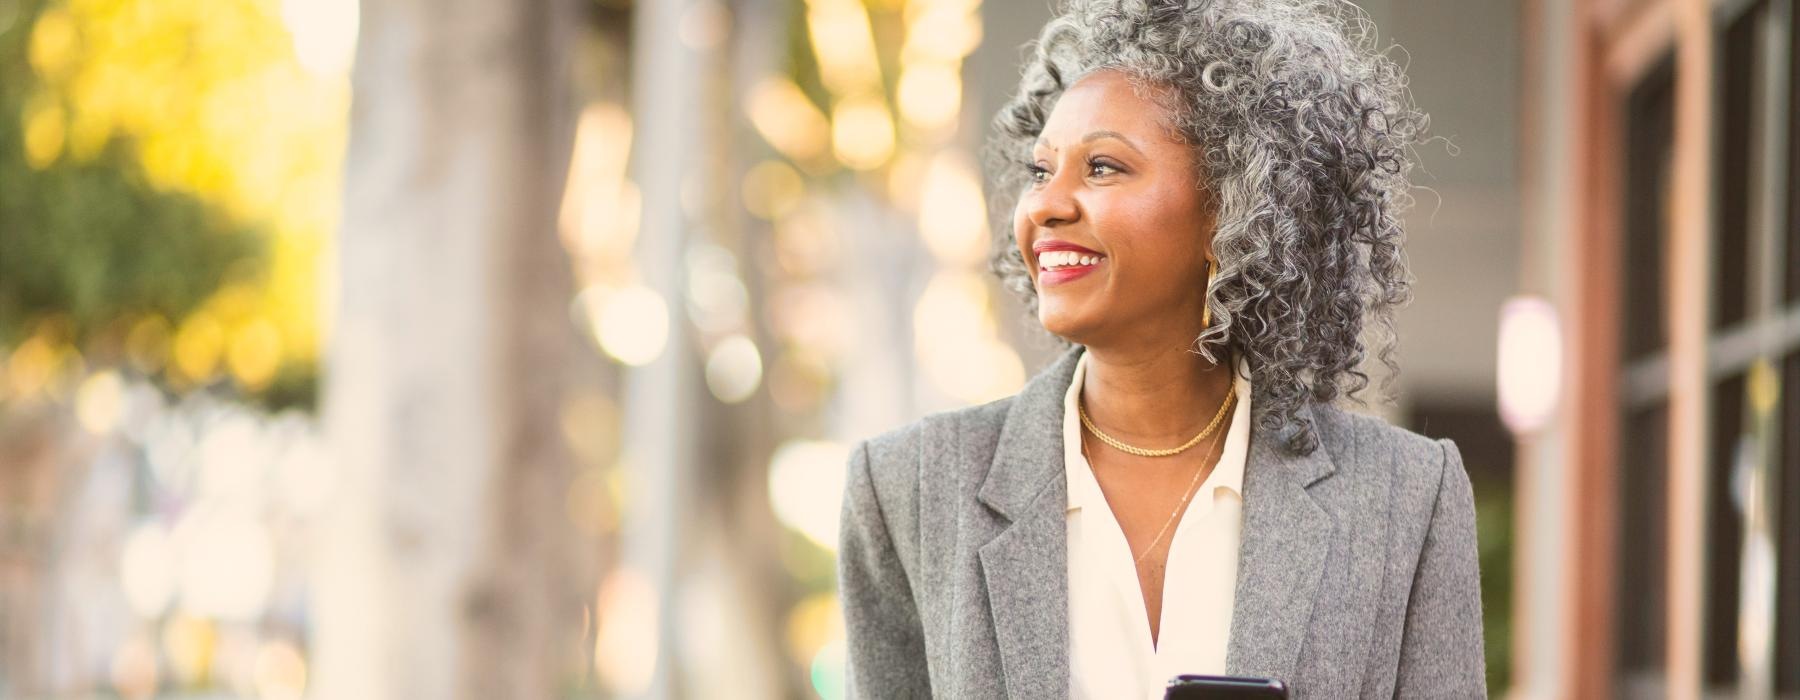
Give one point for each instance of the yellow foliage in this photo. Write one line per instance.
(43, 133)
(211, 99)
(53, 44)
(255, 353)
(44, 365)
(198, 344)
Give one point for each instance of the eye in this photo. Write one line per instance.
(1099, 168)
(1038, 174)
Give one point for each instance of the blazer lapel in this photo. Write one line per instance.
(1025, 566)
(1281, 557)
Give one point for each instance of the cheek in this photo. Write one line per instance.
(1182, 225)
(1155, 232)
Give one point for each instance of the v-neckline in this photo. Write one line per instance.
(1122, 571)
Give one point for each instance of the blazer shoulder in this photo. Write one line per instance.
(896, 457)
(938, 428)
(1414, 457)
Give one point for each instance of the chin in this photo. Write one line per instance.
(1064, 324)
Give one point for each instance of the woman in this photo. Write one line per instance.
(1208, 197)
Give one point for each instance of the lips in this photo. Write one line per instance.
(1059, 262)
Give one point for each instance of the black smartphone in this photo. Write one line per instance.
(1189, 686)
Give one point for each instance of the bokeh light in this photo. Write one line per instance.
(772, 189)
(190, 643)
(845, 43)
(324, 34)
(806, 487)
(788, 120)
(601, 206)
(225, 564)
(717, 299)
(631, 324)
(734, 369)
(862, 132)
(813, 623)
(952, 211)
(254, 354)
(279, 671)
(199, 343)
(930, 95)
(1530, 362)
(625, 650)
(828, 671)
(941, 30)
(99, 401)
(147, 570)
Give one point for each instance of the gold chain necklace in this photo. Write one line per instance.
(1224, 407)
(1189, 493)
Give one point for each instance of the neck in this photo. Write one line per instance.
(1155, 397)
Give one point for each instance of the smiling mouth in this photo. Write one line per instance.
(1066, 259)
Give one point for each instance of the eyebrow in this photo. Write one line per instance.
(1095, 136)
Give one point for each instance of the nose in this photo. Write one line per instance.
(1053, 203)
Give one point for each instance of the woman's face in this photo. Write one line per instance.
(1114, 226)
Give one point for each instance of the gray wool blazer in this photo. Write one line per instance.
(1357, 573)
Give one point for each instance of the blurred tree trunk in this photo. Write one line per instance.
(45, 457)
(699, 525)
(448, 568)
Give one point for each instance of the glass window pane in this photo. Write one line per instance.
(1649, 143)
(1725, 535)
(1643, 547)
(1737, 73)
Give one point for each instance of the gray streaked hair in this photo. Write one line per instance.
(1303, 133)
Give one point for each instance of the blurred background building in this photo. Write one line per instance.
(507, 348)
(1661, 537)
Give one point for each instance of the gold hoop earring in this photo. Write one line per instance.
(1212, 269)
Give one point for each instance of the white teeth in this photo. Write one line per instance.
(1065, 258)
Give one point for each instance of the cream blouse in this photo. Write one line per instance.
(1110, 652)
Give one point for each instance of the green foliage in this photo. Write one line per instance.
(95, 241)
(1494, 528)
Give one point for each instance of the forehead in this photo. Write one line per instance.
(1107, 100)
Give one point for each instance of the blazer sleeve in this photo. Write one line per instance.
(1441, 652)
(885, 648)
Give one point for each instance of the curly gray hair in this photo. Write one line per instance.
(1303, 132)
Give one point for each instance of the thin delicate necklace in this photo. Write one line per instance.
(1224, 407)
(1189, 493)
